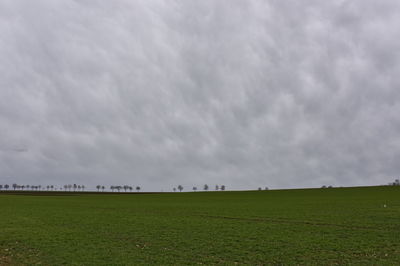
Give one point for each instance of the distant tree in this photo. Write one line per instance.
(194, 189)
(137, 188)
(174, 189)
(118, 188)
(323, 186)
(205, 187)
(259, 188)
(216, 187)
(6, 186)
(1, 187)
(98, 188)
(125, 187)
(223, 187)
(102, 188)
(266, 188)
(180, 188)
(14, 186)
(75, 186)
(112, 188)
(130, 188)
(40, 187)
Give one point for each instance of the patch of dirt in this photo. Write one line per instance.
(5, 260)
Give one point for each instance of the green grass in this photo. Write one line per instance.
(310, 226)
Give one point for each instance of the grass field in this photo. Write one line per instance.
(309, 226)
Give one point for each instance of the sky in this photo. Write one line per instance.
(248, 94)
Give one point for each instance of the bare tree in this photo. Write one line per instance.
(98, 188)
(174, 189)
(6, 186)
(102, 188)
(137, 188)
(1, 187)
(14, 186)
(180, 188)
(112, 188)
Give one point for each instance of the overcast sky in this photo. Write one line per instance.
(278, 93)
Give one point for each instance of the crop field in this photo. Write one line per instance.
(305, 226)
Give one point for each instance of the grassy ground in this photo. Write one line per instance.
(313, 227)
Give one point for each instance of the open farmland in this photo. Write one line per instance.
(308, 226)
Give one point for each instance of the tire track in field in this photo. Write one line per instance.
(286, 221)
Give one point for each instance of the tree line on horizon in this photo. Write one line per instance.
(25, 187)
(205, 188)
(119, 188)
(69, 187)
(76, 188)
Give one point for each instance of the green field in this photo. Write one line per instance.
(309, 226)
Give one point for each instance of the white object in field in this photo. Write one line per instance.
(384, 205)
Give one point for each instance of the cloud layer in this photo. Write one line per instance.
(242, 93)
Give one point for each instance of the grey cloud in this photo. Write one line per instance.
(246, 94)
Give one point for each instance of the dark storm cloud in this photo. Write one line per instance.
(241, 93)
